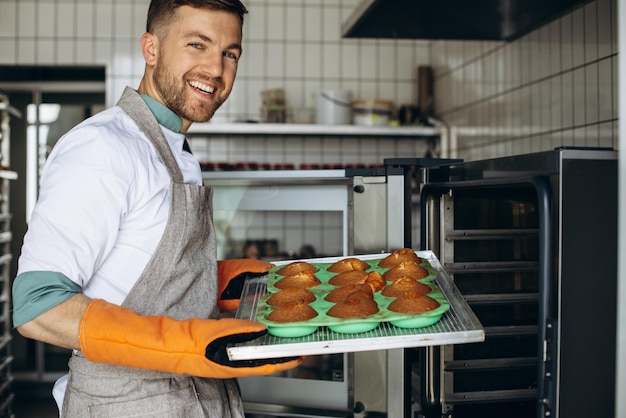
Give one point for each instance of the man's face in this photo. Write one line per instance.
(196, 62)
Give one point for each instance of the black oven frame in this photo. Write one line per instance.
(576, 267)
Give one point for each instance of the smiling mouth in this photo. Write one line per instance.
(204, 88)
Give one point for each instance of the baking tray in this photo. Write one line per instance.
(349, 325)
(458, 325)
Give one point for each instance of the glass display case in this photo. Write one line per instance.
(280, 215)
(299, 214)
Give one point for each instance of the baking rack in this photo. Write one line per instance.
(458, 325)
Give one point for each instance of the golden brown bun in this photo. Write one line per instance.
(304, 279)
(292, 312)
(296, 267)
(398, 256)
(413, 304)
(348, 264)
(291, 294)
(348, 277)
(405, 269)
(403, 285)
(343, 292)
(354, 306)
(375, 280)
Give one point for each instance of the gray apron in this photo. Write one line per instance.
(179, 281)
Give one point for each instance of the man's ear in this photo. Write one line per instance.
(149, 47)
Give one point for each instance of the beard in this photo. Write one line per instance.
(174, 93)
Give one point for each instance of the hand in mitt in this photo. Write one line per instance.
(231, 275)
(115, 335)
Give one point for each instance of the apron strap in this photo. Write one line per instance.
(138, 110)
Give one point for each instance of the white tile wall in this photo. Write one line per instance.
(291, 44)
(555, 86)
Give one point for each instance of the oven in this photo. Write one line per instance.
(531, 243)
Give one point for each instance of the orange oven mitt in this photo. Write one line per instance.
(231, 275)
(115, 335)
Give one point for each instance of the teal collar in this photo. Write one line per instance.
(163, 115)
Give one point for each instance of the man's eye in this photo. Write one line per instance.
(195, 45)
(230, 55)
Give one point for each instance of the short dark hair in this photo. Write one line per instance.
(163, 10)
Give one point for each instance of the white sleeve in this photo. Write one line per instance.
(83, 197)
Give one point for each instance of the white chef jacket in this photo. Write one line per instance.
(103, 207)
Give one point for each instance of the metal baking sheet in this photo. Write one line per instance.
(458, 325)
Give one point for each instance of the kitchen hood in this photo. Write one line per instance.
(452, 19)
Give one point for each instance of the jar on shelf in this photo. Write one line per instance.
(372, 112)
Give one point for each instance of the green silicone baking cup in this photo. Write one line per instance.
(349, 326)
(354, 328)
(417, 322)
(292, 331)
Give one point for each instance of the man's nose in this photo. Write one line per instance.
(213, 64)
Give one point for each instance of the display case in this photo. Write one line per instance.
(304, 214)
(279, 215)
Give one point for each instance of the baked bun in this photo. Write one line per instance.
(296, 267)
(413, 303)
(291, 294)
(398, 256)
(348, 277)
(403, 285)
(355, 306)
(292, 312)
(406, 269)
(303, 279)
(342, 293)
(375, 280)
(348, 264)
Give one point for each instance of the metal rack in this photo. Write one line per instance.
(438, 139)
(6, 175)
(513, 267)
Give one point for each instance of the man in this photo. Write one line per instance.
(119, 262)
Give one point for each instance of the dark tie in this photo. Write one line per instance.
(186, 146)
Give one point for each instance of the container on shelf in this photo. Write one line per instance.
(273, 109)
(372, 112)
(301, 115)
(246, 166)
(334, 107)
(310, 166)
(332, 166)
(284, 166)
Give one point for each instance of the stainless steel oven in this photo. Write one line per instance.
(531, 243)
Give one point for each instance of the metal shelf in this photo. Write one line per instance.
(501, 298)
(7, 174)
(492, 266)
(6, 236)
(460, 398)
(491, 364)
(4, 105)
(199, 129)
